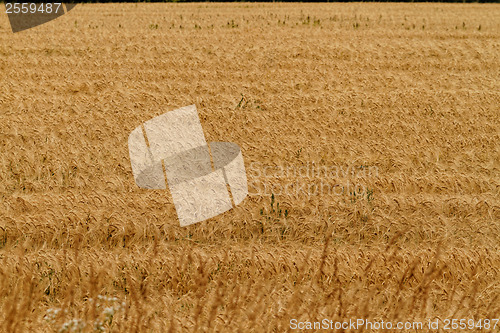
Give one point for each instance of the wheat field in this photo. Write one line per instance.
(371, 140)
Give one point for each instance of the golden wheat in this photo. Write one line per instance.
(402, 100)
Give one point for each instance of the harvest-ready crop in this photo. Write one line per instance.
(374, 126)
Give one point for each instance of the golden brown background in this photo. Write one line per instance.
(411, 90)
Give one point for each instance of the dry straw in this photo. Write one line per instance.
(405, 88)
